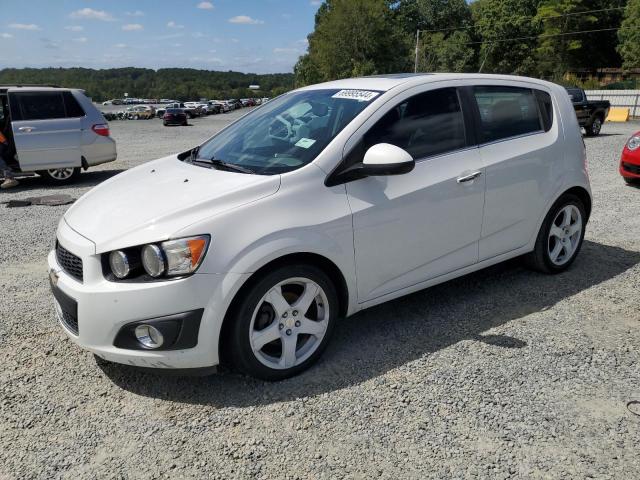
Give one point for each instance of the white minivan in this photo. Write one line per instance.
(54, 132)
(322, 202)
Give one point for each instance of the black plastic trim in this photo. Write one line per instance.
(180, 331)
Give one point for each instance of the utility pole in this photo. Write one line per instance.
(415, 66)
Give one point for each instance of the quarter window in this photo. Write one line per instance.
(507, 112)
(424, 125)
(72, 106)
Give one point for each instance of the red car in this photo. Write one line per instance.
(630, 160)
(174, 116)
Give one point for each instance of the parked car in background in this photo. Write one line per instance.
(235, 103)
(216, 107)
(54, 132)
(630, 160)
(412, 185)
(174, 116)
(141, 112)
(591, 114)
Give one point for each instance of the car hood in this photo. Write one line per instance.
(151, 202)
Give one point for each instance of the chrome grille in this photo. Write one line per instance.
(69, 262)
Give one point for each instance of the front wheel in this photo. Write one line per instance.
(560, 237)
(60, 176)
(595, 127)
(283, 324)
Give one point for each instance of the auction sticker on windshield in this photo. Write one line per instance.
(359, 95)
(305, 142)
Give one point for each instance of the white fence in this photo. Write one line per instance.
(618, 98)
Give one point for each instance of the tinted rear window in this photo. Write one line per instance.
(546, 109)
(175, 110)
(507, 112)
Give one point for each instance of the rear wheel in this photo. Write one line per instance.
(595, 127)
(60, 176)
(560, 237)
(283, 324)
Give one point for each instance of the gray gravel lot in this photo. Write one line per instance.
(501, 374)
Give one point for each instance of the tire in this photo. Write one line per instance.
(567, 244)
(594, 128)
(60, 176)
(282, 325)
(185, 124)
(165, 124)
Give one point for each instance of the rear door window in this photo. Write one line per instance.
(40, 105)
(507, 112)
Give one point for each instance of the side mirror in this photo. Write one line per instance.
(380, 159)
(387, 159)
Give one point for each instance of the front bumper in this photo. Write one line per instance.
(630, 168)
(104, 307)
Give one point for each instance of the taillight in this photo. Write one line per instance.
(101, 129)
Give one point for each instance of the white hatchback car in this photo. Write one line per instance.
(324, 201)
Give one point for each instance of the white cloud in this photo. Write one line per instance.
(315, 3)
(24, 26)
(173, 24)
(6, 35)
(74, 28)
(80, 40)
(205, 6)
(245, 20)
(285, 50)
(169, 36)
(91, 14)
(199, 35)
(120, 45)
(132, 27)
(137, 13)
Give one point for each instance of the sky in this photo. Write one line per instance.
(257, 36)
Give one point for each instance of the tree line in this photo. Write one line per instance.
(541, 38)
(174, 83)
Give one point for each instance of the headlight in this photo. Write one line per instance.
(172, 258)
(634, 142)
(184, 255)
(119, 263)
(153, 260)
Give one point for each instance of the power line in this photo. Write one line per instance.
(524, 17)
(578, 32)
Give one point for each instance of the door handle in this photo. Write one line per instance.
(468, 178)
(26, 129)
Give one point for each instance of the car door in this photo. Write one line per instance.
(45, 136)
(520, 152)
(417, 226)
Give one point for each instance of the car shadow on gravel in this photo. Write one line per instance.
(391, 335)
(86, 179)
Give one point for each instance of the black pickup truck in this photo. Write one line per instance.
(591, 114)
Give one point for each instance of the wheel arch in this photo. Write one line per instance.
(583, 195)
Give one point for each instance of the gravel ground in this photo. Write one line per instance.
(501, 374)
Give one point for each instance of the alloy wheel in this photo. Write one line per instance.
(564, 235)
(289, 323)
(60, 173)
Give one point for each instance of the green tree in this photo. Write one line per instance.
(352, 38)
(629, 36)
(501, 26)
(557, 19)
(445, 41)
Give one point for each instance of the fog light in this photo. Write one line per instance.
(149, 336)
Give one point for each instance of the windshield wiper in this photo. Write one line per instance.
(222, 165)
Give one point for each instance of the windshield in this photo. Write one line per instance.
(288, 132)
(575, 94)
